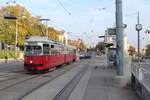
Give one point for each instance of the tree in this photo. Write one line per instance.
(27, 25)
(132, 51)
(53, 33)
(82, 46)
(147, 52)
(8, 26)
(78, 44)
(101, 47)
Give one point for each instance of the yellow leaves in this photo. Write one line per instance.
(132, 51)
(77, 43)
(53, 33)
(14, 11)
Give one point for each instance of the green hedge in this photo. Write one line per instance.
(136, 60)
(10, 54)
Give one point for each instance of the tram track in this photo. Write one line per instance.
(67, 90)
(18, 78)
(11, 75)
(29, 78)
(48, 78)
(73, 66)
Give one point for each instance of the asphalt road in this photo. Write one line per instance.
(11, 66)
(15, 83)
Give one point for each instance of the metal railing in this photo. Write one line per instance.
(142, 75)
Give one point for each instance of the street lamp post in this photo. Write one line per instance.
(16, 38)
(16, 44)
(138, 29)
(46, 25)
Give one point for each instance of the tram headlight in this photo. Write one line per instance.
(31, 62)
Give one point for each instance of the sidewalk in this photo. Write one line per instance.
(97, 84)
(10, 60)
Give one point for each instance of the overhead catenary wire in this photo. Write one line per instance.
(68, 13)
(61, 4)
(63, 7)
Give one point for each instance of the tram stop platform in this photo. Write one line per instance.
(98, 84)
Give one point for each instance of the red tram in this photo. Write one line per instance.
(42, 53)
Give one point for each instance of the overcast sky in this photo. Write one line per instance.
(86, 19)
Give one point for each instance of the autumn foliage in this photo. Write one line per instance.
(27, 25)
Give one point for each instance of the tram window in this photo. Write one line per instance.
(74, 51)
(33, 50)
(45, 48)
(52, 46)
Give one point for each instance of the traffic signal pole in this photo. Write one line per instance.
(119, 39)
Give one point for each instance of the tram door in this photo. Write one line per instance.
(46, 53)
(65, 54)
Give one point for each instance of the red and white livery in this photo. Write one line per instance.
(42, 53)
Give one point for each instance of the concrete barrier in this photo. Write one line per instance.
(142, 81)
(125, 80)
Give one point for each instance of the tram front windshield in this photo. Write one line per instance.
(33, 50)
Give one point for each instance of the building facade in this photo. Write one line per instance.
(63, 37)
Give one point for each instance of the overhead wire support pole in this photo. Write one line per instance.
(16, 44)
(119, 39)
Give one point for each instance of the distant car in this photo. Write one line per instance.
(145, 57)
(87, 55)
(82, 55)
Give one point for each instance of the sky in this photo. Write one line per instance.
(86, 19)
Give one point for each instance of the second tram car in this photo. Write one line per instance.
(42, 53)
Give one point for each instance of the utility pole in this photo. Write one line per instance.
(16, 44)
(138, 29)
(119, 39)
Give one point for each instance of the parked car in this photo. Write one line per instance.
(145, 57)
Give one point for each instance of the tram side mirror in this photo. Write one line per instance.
(52, 46)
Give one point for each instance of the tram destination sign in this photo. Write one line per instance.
(111, 31)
